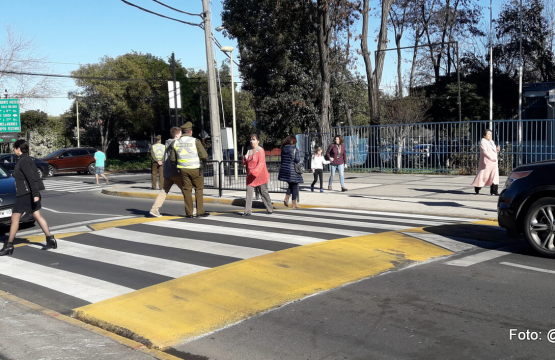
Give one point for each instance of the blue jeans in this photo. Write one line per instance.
(341, 169)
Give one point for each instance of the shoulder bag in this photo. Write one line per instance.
(299, 168)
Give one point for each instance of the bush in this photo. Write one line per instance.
(136, 164)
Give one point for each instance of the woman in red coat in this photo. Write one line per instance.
(488, 171)
(257, 176)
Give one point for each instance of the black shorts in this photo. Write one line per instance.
(25, 204)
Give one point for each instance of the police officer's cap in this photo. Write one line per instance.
(187, 126)
(158, 137)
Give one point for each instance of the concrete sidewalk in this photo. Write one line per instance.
(405, 193)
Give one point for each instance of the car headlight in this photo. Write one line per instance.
(515, 175)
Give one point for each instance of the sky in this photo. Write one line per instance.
(72, 32)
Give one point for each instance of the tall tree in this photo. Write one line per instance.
(537, 56)
(374, 76)
(18, 57)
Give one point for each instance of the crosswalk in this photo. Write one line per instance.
(99, 265)
(73, 186)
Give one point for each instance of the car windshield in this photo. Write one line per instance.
(3, 174)
(55, 153)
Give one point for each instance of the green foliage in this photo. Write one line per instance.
(143, 163)
(43, 141)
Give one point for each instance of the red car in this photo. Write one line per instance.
(71, 159)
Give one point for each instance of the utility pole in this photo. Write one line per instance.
(520, 71)
(174, 89)
(201, 112)
(212, 90)
(490, 65)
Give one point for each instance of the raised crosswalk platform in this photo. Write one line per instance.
(109, 262)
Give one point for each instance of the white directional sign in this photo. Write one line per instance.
(171, 94)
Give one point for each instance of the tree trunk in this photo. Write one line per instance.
(399, 73)
(325, 31)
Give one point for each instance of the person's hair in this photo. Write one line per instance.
(338, 137)
(485, 132)
(21, 145)
(290, 140)
(254, 136)
(317, 150)
(187, 131)
(175, 130)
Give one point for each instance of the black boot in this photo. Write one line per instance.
(50, 243)
(7, 249)
(477, 190)
(493, 190)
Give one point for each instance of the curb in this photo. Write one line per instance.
(122, 340)
(241, 202)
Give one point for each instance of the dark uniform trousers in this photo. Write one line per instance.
(193, 178)
(157, 169)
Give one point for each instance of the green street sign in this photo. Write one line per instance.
(9, 115)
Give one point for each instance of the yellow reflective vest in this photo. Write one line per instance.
(159, 150)
(187, 153)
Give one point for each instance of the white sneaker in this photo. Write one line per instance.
(195, 211)
(155, 213)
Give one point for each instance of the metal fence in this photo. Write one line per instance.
(449, 147)
(232, 175)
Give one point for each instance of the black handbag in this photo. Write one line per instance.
(299, 168)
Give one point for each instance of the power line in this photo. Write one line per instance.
(41, 61)
(174, 9)
(164, 16)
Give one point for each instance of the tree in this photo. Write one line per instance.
(374, 76)
(537, 55)
(123, 96)
(18, 57)
(279, 63)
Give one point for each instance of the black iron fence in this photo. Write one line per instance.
(232, 175)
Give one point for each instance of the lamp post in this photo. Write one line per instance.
(77, 96)
(229, 49)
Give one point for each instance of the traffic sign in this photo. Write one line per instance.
(9, 137)
(9, 115)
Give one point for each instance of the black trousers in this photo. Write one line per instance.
(293, 190)
(319, 173)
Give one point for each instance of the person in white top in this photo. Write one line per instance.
(318, 162)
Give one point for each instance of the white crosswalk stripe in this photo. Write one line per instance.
(71, 186)
(141, 255)
(79, 286)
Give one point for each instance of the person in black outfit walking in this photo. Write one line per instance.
(27, 186)
(290, 157)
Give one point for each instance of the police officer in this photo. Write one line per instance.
(157, 155)
(187, 154)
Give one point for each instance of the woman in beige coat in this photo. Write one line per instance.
(488, 171)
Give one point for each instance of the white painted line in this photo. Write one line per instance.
(415, 216)
(442, 241)
(528, 267)
(183, 243)
(477, 258)
(220, 230)
(150, 264)
(79, 286)
(312, 219)
(74, 213)
(58, 227)
(288, 226)
(361, 217)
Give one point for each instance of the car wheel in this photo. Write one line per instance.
(539, 227)
(91, 168)
(51, 170)
(41, 175)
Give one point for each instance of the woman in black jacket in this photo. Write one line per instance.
(290, 157)
(28, 197)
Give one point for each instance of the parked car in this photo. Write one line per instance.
(8, 163)
(71, 159)
(527, 205)
(7, 200)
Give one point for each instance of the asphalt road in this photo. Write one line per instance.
(474, 304)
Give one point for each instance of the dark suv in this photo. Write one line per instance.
(527, 205)
(71, 159)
